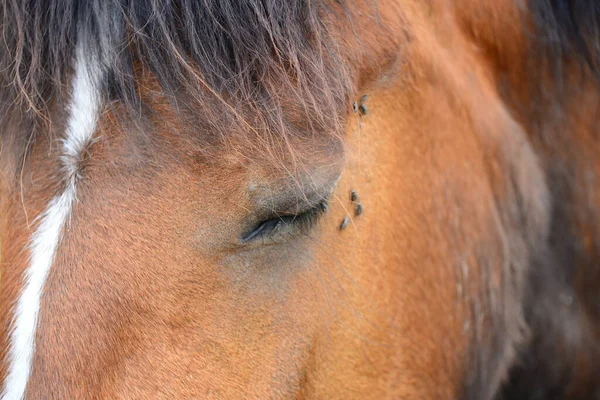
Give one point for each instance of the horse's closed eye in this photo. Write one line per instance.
(286, 224)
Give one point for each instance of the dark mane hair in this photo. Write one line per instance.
(242, 57)
(568, 29)
(560, 360)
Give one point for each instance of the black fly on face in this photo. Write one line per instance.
(359, 106)
(354, 198)
(345, 223)
(362, 108)
(359, 209)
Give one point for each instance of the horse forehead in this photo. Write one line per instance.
(183, 138)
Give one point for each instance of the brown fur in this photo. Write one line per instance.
(451, 284)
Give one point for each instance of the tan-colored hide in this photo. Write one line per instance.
(151, 297)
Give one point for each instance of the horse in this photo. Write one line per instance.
(328, 199)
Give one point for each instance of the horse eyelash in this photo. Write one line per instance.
(304, 221)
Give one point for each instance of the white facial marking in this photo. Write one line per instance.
(83, 114)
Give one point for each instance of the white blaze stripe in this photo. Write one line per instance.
(83, 114)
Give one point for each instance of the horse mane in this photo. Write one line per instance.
(560, 359)
(231, 57)
(567, 29)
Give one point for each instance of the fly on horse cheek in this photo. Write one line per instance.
(325, 199)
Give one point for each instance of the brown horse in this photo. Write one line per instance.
(197, 199)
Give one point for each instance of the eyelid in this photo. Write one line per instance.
(272, 226)
(260, 228)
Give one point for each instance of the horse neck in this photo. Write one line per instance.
(554, 99)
